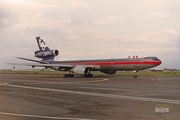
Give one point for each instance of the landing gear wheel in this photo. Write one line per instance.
(65, 75)
(134, 76)
(68, 75)
(88, 75)
(71, 75)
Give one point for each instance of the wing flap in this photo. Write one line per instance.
(33, 60)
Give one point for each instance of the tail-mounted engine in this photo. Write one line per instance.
(46, 54)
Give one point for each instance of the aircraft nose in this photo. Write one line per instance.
(159, 61)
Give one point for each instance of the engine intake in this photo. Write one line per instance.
(46, 54)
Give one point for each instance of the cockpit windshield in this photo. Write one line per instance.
(151, 58)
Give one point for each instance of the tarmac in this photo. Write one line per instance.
(46, 97)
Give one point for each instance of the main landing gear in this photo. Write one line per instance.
(72, 75)
(68, 75)
(88, 75)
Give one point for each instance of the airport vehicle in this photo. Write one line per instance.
(84, 67)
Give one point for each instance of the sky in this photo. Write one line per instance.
(90, 29)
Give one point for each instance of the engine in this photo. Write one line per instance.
(46, 54)
(109, 72)
(81, 70)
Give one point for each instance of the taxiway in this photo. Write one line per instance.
(102, 98)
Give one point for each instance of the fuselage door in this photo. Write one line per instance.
(113, 60)
(82, 61)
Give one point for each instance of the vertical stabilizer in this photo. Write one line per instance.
(42, 45)
(44, 52)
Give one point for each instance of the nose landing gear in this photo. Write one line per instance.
(135, 76)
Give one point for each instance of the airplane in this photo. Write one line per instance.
(84, 67)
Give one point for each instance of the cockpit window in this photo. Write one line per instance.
(151, 58)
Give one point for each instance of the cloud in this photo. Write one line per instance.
(82, 4)
(90, 29)
(112, 19)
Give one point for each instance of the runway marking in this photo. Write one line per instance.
(90, 81)
(3, 84)
(95, 88)
(157, 80)
(100, 94)
(39, 116)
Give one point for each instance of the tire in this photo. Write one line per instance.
(65, 75)
(71, 75)
(88, 75)
(134, 76)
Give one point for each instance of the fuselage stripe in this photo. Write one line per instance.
(115, 63)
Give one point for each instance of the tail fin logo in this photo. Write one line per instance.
(42, 44)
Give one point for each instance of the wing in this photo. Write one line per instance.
(47, 64)
(41, 65)
(58, 66)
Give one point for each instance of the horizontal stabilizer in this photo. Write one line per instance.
(33, 60)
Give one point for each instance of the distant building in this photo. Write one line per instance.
(153, 70)
(170, 70)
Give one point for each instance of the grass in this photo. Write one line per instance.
(165, 74)
(143, 73)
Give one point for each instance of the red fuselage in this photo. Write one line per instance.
(124, 64)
